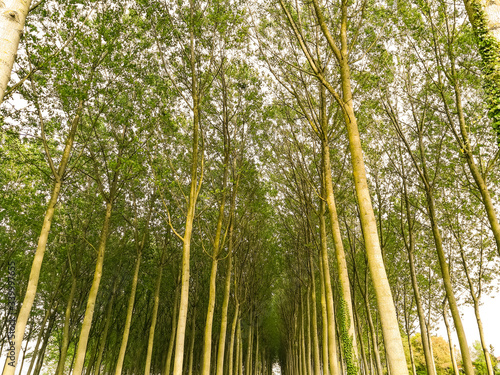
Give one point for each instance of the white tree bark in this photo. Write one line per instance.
(12, 17)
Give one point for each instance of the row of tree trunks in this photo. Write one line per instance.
(432, 214)
(89, 311)
(410, 248)
(14, 18)
(385, 303)
(140, 243)
(58, 176)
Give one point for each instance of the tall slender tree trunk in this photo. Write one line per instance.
(432, 213)
(450, 341)
(45, 343)
(170, 350)
(333, 360)
(445, 272)
(410, 247)
(239, 350)
(36, 266)
(469, 157)
(217, 249)
(302, 335)
(370, 352)
(231, 341)
(256, 364)
(385, 303)
(128, 318)
(335, 228)
(373, 335)
(475, 299)
(387, 310)
(248, 364)
(92, 359)
(183, 306)
(66, 329)
(24, 351)
(28, 339)
(89, 311)
(149, 355)
(462, 137)
(104, 334)
(39, 340)
(193, 338)
(412, 357)
(366, 369)
(324, 318)
(317, 363)
(487, 355)
(140, 243)
(308, 332)
(225, 305)
(193, 195)
(237, 344)
(408, 332)
(71, 365)
(207, 340)
(429, 336)
(12, 21)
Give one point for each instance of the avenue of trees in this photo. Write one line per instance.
(233, 186)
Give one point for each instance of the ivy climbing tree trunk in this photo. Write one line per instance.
(484, 16)
(349, 347)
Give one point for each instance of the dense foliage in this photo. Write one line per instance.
(228, 187)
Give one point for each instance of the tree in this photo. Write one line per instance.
(11, 26)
